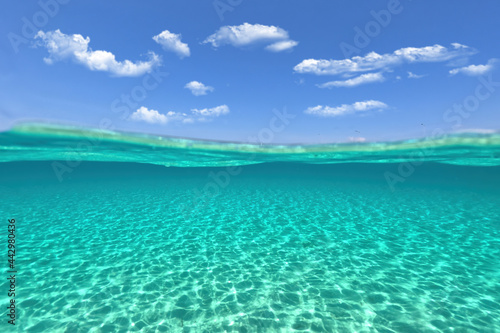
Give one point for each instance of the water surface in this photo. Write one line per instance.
(385, 237)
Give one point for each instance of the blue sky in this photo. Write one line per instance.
(342, 70)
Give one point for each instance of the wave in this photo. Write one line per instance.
(45, 142)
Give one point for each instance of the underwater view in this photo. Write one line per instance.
(218, 237)
(237, 166)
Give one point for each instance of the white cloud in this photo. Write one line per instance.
(282, 46)
(76, 48)
(475, 70)
(211, 112)
(247, 34)
(149, 116)
(415, 76)
(357, 139)
(477, 131)
(300, 81)
(374, 61)
(327, 111)
(155, 117)
(172, 42)
(356, 81)
(198, 88)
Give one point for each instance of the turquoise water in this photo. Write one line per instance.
(387, 237)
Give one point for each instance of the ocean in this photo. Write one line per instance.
(120, 232)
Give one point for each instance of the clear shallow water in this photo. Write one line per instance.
(45, 142)
(274, 247)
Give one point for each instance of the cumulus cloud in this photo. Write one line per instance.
(198, 88)
(475, 70)
(356, 81)
(211, 112)
(344, 109)
(282, 46)
(172, 42)
(374, 61)
(248, 34)
(149, 116)
(155, 117)
(414, 76)
(76, 48)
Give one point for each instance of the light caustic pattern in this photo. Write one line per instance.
(268, 254)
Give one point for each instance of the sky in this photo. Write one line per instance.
(257, 71)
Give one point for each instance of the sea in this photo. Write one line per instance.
(127, 232)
